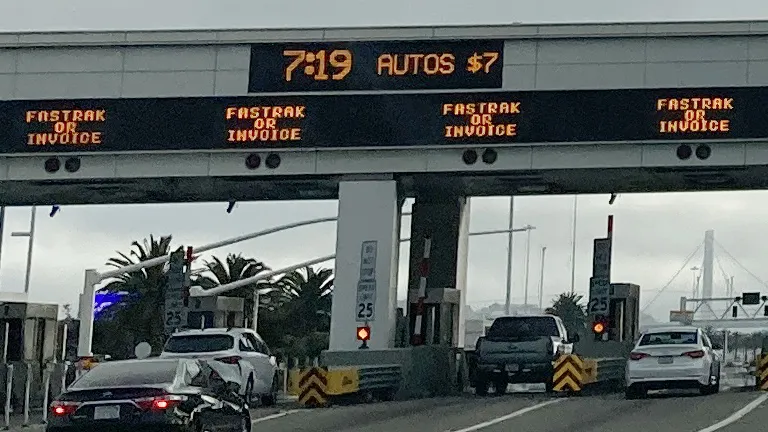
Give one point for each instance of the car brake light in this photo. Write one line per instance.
(61, 409)
(694, 354)
(160, 403)
(233, 360)
(637, 355)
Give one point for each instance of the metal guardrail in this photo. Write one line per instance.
(322, 386)
(610, 369)
(379, 377)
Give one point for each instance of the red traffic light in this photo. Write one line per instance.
(599, 325)
(364, 333)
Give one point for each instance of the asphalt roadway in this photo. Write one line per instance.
(727, 411)
(528, 409)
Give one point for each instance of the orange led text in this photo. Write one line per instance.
(480, 118)
(263, 123)
(695, 115)
(64, 127)
(416, 64)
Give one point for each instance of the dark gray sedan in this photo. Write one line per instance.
(173, 395)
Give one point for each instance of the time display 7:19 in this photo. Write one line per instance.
(317, 64)
(343, 66)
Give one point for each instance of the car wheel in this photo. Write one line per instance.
(501, 387)
(245, 422)
(549, 386)
(481, 387)
(249, 390)
(271, 399)
(635, 392)
(711, 388)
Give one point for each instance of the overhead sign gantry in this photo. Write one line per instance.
(381, 120)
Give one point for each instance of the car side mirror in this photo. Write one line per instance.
(574, 338)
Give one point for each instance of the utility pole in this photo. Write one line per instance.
(510, 244)
(541, 278)
(573, 243)
(529, 228)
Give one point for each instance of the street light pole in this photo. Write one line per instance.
(541, 278)
(510, 244)
(694, 289)
(2, 225)
(573, 243)
(31, 235)
(529, 228)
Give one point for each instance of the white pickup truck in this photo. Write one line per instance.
(520, 349)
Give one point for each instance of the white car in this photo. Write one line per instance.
(237, 346)
(673, 358)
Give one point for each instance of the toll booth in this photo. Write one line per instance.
(441, 323)
(216, 311)
(624, 313)
(31, 330)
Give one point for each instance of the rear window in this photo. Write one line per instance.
(199, 343)
(515, 327)
(134, 373)
(670, 338)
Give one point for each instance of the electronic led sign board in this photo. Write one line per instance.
(339, 66)
(382, 120)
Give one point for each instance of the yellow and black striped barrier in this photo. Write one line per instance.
(316, 386)
(762, 372)
(568, 374)
(313, 387)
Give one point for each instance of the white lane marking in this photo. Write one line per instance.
(733, 418)
(274, 416)
(512, 415)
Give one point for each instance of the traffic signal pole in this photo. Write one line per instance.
(599, 306)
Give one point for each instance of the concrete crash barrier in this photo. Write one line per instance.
(323, 386)
(574, 374)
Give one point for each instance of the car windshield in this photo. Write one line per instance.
(513, 327)
(129, 373)
(669, 338)
(199, 343)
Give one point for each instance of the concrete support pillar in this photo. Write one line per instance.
(445, 219)
(365, 276)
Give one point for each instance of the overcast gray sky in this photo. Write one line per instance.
(654, 233)
(177, 14)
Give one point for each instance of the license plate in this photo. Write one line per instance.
(513, 368)
(109, 412)
(665, 360)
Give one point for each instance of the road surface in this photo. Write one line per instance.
(528, 409)
(726, 412)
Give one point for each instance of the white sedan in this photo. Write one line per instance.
(673, 358)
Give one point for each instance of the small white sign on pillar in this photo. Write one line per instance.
(365, 306)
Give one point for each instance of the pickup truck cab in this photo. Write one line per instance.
(520, 349)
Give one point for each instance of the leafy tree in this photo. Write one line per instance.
(305, 298)
(233, 269)
(570, 308)
(140, 317)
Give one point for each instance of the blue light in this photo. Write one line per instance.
(104, 300)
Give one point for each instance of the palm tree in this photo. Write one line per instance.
(140, 318)
(305, 299)
(235, 268)
(569, 307)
